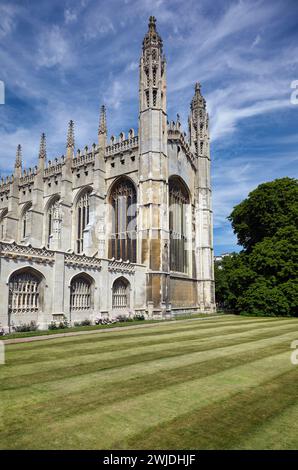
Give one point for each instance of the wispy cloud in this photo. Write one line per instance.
(62, 61)
(54, 49)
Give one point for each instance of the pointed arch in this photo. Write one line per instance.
(123, 211)
(25, 291)
(81, 292)
(25, 221)
(179, 203)
(120, 293)
(52, 211)
(3, 214)
(82, 216)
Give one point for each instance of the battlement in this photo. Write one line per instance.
(122, 145)
(5, 183)
(28, 176)
(85, 158)
(55, 167)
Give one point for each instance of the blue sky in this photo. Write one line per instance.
(61, 59)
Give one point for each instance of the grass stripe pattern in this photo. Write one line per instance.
(225, 383)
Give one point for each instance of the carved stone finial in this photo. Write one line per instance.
(18, 162)
(43, 147)
(102, 129)
(70, 135)
(152, 23)
(198, 87)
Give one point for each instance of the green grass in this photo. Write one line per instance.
(221, 383)
(27, 334)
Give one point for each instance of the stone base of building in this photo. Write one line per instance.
(43, 286)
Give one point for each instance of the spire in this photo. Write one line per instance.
(152, 38)
(70, 140)
(18, 162)
(70, 135)
(152, 71)
(198, 100)
(102, 129)
(43, 147)
(198, 123)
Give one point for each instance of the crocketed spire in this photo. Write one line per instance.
(70, 135)
(43, 147)
(18, 162)
(102, 128)
(152, 38)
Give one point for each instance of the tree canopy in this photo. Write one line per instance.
(262, 278)
(268, 208)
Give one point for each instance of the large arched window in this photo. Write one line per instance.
(25, 223)
(80, 293)
(120, 294)
(123, 200)
(2, 220)
(179, 203)
(83, 211)
(53, 218)
(24, 292)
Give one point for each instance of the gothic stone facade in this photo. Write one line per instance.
(124, 227)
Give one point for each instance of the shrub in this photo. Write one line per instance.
(32, 326)
(123, 318)
(54, 325)
(85, 322)
(139, 316)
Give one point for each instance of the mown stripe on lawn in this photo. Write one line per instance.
(56, 360)
(22, 375)
(228, 424)
(109, 425)
(278, 432)
(162, 330)
(78, 383)
(69, 402)
(178, 335)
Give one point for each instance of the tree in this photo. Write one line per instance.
(262, 279)
(268, 208)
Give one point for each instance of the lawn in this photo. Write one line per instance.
(221, 383)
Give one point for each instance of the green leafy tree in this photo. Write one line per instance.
(268, 208)
(262, 279)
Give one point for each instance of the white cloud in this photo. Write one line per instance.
(54, 49)
(7, 19)
(70, 16)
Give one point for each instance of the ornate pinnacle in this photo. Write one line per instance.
(152, 23)
(43, 147)
(70, 135)
(198, 87)
(18, 162)
(198, 100)
(102, 129)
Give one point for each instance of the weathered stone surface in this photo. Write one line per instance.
(56, 220)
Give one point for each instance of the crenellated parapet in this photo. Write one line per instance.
(5, 184)
(27, 177)
(122, 144)
(54, 167)
(86, 158)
